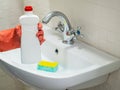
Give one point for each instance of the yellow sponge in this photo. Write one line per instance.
(48, 66)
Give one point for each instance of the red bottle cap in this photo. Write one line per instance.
(28, 8)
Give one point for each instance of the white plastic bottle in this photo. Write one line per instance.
(30, 46)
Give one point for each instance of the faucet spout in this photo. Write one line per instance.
(52, 14)
(65, 26)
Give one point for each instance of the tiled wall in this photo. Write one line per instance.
(10, 10)
(100, 22)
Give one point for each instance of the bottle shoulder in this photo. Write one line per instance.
(28, 16)
(29, 19)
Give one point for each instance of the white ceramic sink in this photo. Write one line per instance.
(80, 65)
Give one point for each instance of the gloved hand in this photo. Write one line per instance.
(40, 34)
(10, 38)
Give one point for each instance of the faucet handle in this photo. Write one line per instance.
(77, 32)
(74, 32)
(60, 27)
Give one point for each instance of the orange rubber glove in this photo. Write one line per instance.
(10, 38)
(40, 34)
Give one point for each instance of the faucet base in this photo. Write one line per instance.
(68, 42)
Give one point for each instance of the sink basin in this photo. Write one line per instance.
(80, 65)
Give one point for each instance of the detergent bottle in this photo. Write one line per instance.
(30, 46)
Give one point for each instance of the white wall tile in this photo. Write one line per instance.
(10, 10)
(113, 4)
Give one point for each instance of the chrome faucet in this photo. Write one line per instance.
(64, 26)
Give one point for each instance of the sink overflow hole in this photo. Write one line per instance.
(56, 51)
